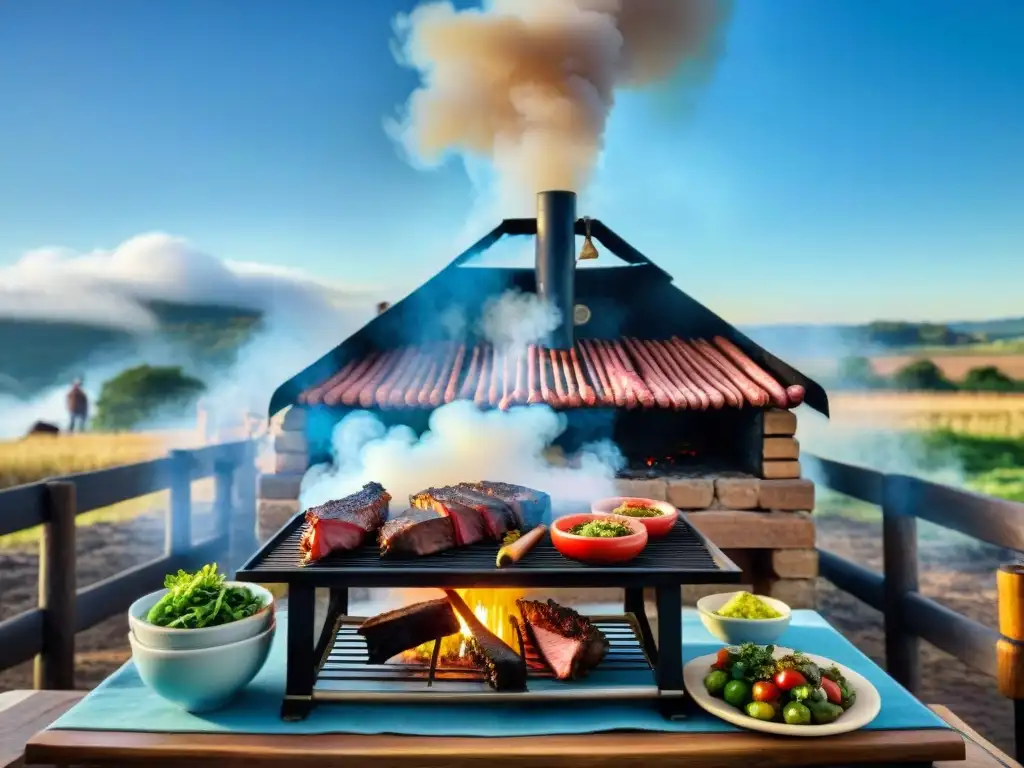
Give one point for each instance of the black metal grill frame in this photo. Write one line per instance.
(682, 557)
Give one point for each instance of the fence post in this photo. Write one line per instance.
(223, 475)
(1010, 646)
(54, 667)
(899, 557)
(246, 542)
(179, 519)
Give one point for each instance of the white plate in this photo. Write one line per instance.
(864, 710)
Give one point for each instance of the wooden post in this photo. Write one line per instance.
(223, 474)
(246, 542)
(1010, 646)
(55, 665)
(899, 556)
(179, 519)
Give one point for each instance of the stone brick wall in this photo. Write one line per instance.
(763, 524)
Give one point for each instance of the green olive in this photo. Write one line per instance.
(715, 682)
(737, 693)
(796, 713)
(761, 710)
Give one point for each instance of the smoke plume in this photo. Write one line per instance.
(515, 319)
(463, 443)
(529, 84)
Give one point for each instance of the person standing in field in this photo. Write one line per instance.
(78, 407)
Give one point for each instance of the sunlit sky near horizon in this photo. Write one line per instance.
(841, 165)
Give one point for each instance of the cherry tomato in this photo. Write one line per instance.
(765, 691)
(832, 691)
(722, 660)
(789, 678)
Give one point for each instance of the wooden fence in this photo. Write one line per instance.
(48, 631)
(910, 616)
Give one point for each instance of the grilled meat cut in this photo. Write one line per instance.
(530, 506)
(416, 532)
(569, 643)
(343, 524)
(395, 631)
(504, 668)
(468, 524)
(460, 503)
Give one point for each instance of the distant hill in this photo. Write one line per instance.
(35, 355)
(878, 338)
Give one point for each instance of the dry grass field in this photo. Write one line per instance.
(954, 366)
(968, 412)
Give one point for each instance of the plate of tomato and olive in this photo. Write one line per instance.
(780, 690)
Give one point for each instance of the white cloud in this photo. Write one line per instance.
(109, 287)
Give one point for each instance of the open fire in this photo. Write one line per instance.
(493, 607)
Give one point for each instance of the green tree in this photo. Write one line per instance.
(858, 372)
(145, 393)
(988, 378)
(922, 375)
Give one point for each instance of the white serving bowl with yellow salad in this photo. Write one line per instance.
(740, 617)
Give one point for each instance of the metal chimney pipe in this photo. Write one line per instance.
(556, 260)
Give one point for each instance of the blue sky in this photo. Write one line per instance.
(840, 165)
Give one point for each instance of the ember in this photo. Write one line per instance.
(493, 607)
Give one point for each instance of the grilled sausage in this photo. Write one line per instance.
(754, 394)
(795, 394)
(451, 390)
(315, 395)
(519, 393)
(533, 394)
(602, 388)
(334, 395)
(643, 394)
(383, 390)
(450, 365)
(624, 395)
(702, 367)
(694, 393)
(368, 390)
(469, 385)
(665, 392)
(412, 390)
(587, 393)
(761, 377)
(486, 364)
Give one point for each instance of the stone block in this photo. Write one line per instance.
(738, 492)
(795, 563)
(295, 419)
(780, 470)
(272, 515)
(781, 448)
(278, 487)
(796, 593)
(289, 463)
(691, 492)
(656, 489)
(787, 495)
(738, 529)
(291, 442)
(779, 422)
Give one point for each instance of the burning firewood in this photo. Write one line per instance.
(504, 669)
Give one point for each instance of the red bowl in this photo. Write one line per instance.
(597, 551)
(656, 526)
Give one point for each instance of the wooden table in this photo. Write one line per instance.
(612, 750)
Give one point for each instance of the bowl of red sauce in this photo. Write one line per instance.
(598, 539)
(658, 517)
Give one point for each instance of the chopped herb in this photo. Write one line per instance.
(201, 599)
(601, 529)
(511, 537)
(636, 510)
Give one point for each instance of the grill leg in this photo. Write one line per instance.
(337, 606)
(670, 649)
(298, 696)
(634, 604)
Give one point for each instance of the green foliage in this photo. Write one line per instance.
(921, 375)
(899, 334)
(988, 378)
(859, 373)
(977, 454)
(144, 393)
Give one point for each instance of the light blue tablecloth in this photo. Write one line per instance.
(123, 703)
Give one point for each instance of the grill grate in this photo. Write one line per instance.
(346, 676)
(681, 557)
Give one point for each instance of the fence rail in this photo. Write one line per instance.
(910, 616)
(48, 631)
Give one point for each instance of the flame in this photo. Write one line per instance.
(493, 607)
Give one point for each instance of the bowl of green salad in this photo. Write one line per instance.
(200, 610)
(740, 617)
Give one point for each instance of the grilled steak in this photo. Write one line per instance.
(395, 631)
(504, 668)
(468, 524)
(343, 523)
(416, 532)
(531, 507)
(569, 643)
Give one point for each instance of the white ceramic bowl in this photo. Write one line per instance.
(736, 631)
(208, 637)
(204, 679)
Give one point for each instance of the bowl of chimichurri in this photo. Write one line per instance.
(741, 617)
(598, 539)
(658, 517)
